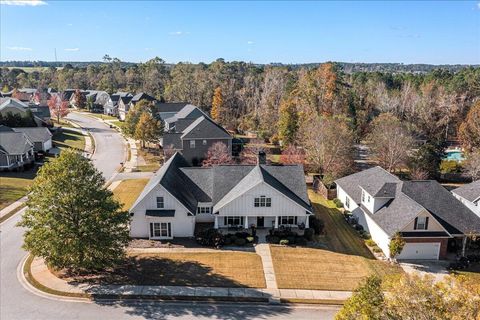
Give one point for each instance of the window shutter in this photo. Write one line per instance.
(225, 221)
(169, 225)
(151, 229)
(415, 224)
(426, 223)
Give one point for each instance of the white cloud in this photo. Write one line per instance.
(71, 49)
(19, 48)
(178, 33)
(250, 42)
(32, 3)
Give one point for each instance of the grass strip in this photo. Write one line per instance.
(11, 213)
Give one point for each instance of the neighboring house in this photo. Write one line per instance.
(41, 137)
(113, 109)
(41, 114)
(24, 94)
(127, 103)
(192, 132)
(227, 196)
(67, 94)
(123, 106)
(73, 100)
(16, 150)
(469, 195)
(168, 110)
(101, 100)
(428, 217)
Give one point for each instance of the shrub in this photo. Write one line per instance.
(316, 224)
(240, 242)
(274, 239)
(450, 166)
(284, 242)
(377, 250)
(338, 203)
(301, 241)
(210, 238)
(291, 239)
(370, 243)
(308, 234)
(250, 239)
(359, 227)
(228, 241)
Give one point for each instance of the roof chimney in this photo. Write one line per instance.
(262, 158)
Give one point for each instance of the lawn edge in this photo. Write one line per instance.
(12, 213)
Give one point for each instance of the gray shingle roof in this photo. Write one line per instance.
(372, 180)
(173, 139)
(142, 96)
(451, 213)
(470, 192)
(14, 142)
(35, 134)
(191, 185)
(205, 128)
(170, 107)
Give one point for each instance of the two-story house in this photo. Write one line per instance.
(178, 196)
(426, 215)
(192, 132)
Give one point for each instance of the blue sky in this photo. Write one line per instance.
(261, 32)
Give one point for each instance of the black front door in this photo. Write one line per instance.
(260, 221)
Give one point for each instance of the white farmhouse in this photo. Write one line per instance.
(179, 196)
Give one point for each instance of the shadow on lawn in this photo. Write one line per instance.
(167, 272)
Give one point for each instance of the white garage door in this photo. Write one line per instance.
(420, 251)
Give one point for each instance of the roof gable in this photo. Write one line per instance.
(470, 192)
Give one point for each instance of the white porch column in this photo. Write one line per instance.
(464, 245)
(246, 222)
(276, 222)
(307, 222)
(215, 226)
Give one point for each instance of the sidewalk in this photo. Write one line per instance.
(42, 275)
(12, 206)
(263, 250)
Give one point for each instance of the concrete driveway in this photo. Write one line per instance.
(435, 268)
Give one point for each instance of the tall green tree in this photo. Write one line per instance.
(148, 129)
(72, 220)
(133, 116)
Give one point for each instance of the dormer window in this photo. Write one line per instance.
(421, 223)
(363, 196)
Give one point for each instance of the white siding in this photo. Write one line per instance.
(378, 235)
(342, 195)
(281, 205)
(470, 205)
(47, 145)
(183, 225)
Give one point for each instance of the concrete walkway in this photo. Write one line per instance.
(12, 206)
(263, 250)
(41, 274)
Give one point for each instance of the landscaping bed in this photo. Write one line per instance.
(223, 269)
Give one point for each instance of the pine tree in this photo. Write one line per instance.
(217, 105)
(72, 219)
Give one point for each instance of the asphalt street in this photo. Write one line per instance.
(18, 303)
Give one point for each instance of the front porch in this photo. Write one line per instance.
(236, 223)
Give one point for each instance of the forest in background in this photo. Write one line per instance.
(316, 106)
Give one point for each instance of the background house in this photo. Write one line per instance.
(41, 137)
(112, 110)
(192, 132)
(16, 150)
(41, 115)
(469, 195)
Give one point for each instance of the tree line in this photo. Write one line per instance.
(321, 109)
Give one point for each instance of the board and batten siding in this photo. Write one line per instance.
(183, 225)
(281, 204)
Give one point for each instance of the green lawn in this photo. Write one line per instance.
(14, 185)
(340, 262)
(152, 159)
(118, 123)
(69, 139)
(128, 191)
